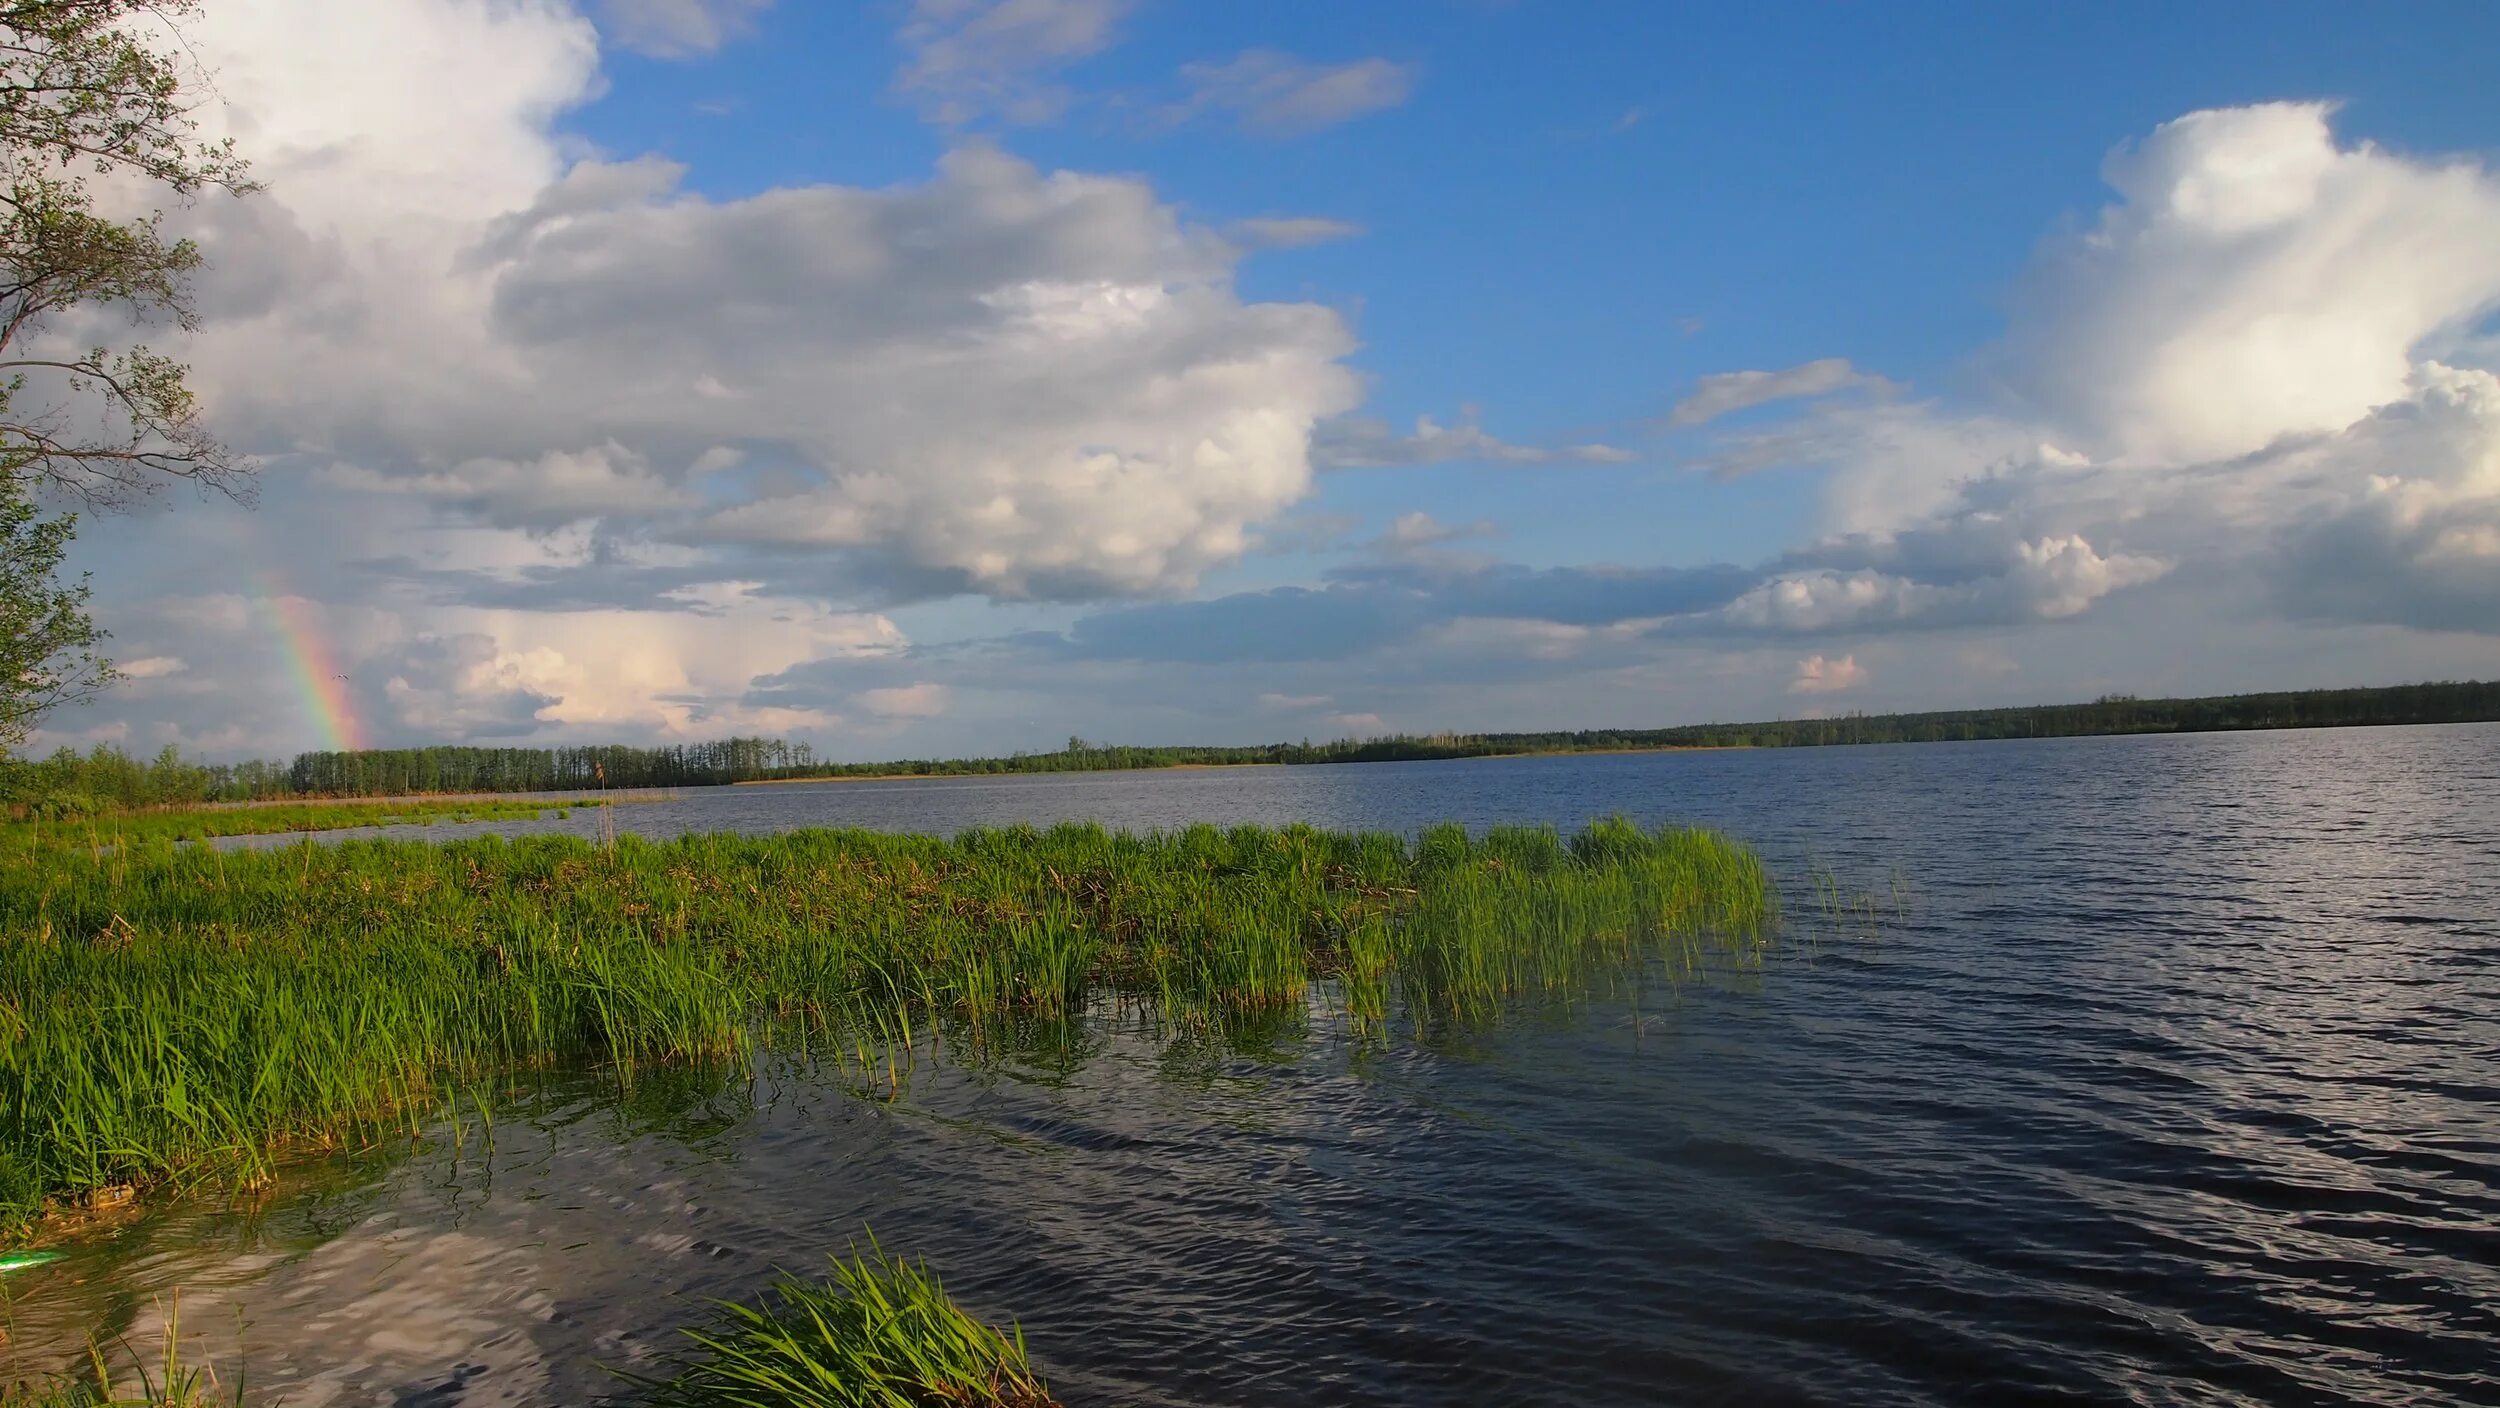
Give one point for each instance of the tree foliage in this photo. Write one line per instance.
(48, 644)
(95, 90)
(94, 96)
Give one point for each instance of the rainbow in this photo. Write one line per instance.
(318, 679)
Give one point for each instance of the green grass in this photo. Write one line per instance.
(171, 1013)
(879, 1333)
(201, 823)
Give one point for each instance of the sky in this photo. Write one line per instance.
(943, 377)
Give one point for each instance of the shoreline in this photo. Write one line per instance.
(1230, 767)
(1032, 772)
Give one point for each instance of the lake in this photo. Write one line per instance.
(2178, 1082)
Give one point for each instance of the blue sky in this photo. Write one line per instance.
(954, 375)
(1801, 179)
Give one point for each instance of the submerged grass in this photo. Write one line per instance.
(881, 1332)
(878, 1332)
(103, 1381)
(172, 1012)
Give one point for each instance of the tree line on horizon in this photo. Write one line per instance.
(70, 782)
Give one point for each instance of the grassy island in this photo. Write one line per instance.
(180, 1012)
(879, 1332)
(198, 823)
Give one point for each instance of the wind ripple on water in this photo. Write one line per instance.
(2176, 1086)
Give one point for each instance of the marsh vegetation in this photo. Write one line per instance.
(71, 827)
(173, 1013)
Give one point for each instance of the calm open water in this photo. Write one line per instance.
(2180, 1084)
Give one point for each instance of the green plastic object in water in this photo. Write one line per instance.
(19, 1261)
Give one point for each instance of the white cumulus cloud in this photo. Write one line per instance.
(2255, 279)
(2063, 576)
(1817, 674)
(2231, 376)
(1826, 601)
(1001, 379)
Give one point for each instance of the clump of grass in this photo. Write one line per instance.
(880, 1332)
(173, 1012)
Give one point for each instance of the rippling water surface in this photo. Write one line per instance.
(2179, 1084)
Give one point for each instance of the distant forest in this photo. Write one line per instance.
(106, 777)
